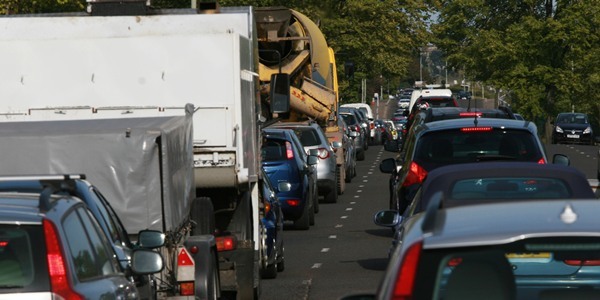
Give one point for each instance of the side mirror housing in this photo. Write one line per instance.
(387, 218)
(312, 160)
(150, 239)
(388, 165)
(280, 93)
(145, 261)
(284, 186)
(561, 159)
(336, 145)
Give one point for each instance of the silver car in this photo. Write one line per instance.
(312, 136)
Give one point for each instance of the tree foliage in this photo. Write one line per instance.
(545, 52)
(40, 6)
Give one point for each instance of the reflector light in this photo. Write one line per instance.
(288, 150)
(476, 129)
(194, 249)
(293, 202)
(59, 281)
(184, 259)
(225, 243)
(405, 281)
(187, 288)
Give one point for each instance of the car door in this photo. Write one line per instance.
(96, 271)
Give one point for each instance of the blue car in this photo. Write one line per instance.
(272, 251)
(285, 162)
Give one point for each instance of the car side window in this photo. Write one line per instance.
(89, 255)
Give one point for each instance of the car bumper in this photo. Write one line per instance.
(573, 138)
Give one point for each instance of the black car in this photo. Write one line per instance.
(51, 242)
(572, 128)
(435, 144)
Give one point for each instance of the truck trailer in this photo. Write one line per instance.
(125, 59)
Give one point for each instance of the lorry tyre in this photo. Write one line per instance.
(281, 258)
(202, 214)
(303, 222)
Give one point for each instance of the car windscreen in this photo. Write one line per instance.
(349, 119)
(23, 266)
(461, 145)
(572, 119)
(438, 101)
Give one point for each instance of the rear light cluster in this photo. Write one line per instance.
(57, 268)
(416, 174)
(476, 129)
(323, 153)
(405, 281)
(185, 271)
(292, 202)
(578, 262)
(289, 152)
(226, 243)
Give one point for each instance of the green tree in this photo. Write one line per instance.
(40, 6)
(544, 52)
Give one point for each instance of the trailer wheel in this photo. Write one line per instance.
(202, 213)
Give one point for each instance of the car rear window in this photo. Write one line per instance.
(438, 101)
(438, 148)
(23, 266)
(349, 119)
(273, 150)
(528, 269)
(509, 188)
(307, 136)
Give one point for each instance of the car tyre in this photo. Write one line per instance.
(311, 214)
(303, 223)
(281, 258)
(360, 155)
(340, 179)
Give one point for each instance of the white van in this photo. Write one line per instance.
(366, 108)
(416, 94)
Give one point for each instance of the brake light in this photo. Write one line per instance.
(289, 152)
(470, 114)
(476, 129)
(416, 174)
(579, 262)
(293, 202)
(59, 280)
(187, 288)
(357, 128)
(226, 243)
(323, 153)
(455, 261)
(541, 161)
(405, 281)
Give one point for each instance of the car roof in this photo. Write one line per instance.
(499, 223)
(480, 122)
(443, 113)
(445, 176)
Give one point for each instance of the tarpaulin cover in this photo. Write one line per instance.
(143, 166)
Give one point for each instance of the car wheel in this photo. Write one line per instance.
(360, 155)
(349, 175)
(340, 179)
(311, 214)
(303, 222)
(332, 196)
(316, 202)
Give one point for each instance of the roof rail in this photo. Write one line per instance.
(433, 218)
(43, 177)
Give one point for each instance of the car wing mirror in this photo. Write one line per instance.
(561, 159)
(336, 144)
(150, 239)
(146, 261)
(387, 218)
(388, 165)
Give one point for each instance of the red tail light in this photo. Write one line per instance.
(578, 262)
(226, 243)
(416, 174)
(357, 128)
(470, 114)
(541, 161)
(289, 152)
(405, 281)
(293, 202)
(57, 267)
(323, 153)
(476, 129)
(187, 288)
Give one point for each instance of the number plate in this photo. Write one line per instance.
(573, 136)
(524, 257)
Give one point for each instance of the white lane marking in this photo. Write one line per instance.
(316, 266)
(348, 208)
(325, 250)
(359, 191)
(344, 217)
(361, 186)
(370, 173)
(356, 196)
(365, 180)
(339, 226)
(352, 202)
(333, 236)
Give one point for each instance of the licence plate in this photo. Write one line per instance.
(531, 257)
(573, 136)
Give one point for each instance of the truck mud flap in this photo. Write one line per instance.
(238, 272)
